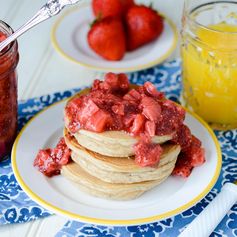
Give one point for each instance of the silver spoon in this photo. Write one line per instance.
(51, 8)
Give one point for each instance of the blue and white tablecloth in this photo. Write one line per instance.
(17, 207)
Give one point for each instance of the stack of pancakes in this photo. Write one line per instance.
(103, 164)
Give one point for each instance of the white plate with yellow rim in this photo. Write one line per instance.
(69, 37)
(60, 196)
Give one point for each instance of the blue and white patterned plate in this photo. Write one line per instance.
(61, 196)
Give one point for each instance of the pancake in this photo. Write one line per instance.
(112, 143)
(96, 187)
(121, 170)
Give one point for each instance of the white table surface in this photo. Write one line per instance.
(42, 70)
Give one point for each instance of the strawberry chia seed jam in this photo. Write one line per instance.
(49, 161)
(9, 58)
(141, 111)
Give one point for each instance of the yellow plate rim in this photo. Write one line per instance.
(106, 69)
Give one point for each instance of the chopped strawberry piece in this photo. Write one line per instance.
(88, 109)
(98, 122)
(116, 82)
(150, 128)
(71, 111)
(132, 95)
(196, 142)
(175, 109)
(123, 81)
(111, 81)
(147, 154)
(61, 153)
(75, 104)
(138, 125)
(41, 157)
(129, 97)
(196, 153)
(198, 158)
(96, 85)
(172, 118)
(151, 90)
(128, 120)
(192, 156)
(74, 126)
(50, 161)
(45, 163)
(118, 109)
(151, 109)
(182, 170)
(183, 137)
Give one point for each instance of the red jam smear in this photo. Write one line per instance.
(50, 161)
(8, 97)
(142, 111)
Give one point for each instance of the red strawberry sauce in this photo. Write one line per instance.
(141, 111)
(49, 161)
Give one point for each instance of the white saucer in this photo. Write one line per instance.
(69, 37)
(59, 195)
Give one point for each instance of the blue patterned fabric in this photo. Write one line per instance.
(16, 207)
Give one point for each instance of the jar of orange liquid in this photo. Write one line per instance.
(209, 56)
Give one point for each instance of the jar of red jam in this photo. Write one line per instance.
(9, 58)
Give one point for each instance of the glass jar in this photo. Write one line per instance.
(209, 57)
(9, 58)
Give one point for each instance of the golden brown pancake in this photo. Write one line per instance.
(121, 170)
(112, 143)
(96, 187)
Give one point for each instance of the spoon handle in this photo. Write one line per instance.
(205, 223)
(51, 8)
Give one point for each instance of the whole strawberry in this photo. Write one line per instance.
(143, 25)
(107, 38)
(115, 8)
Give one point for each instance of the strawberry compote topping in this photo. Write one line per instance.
(141, 111)
(190, 157)
(49, 161)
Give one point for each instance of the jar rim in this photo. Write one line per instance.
(7, 29)
(188, 13)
